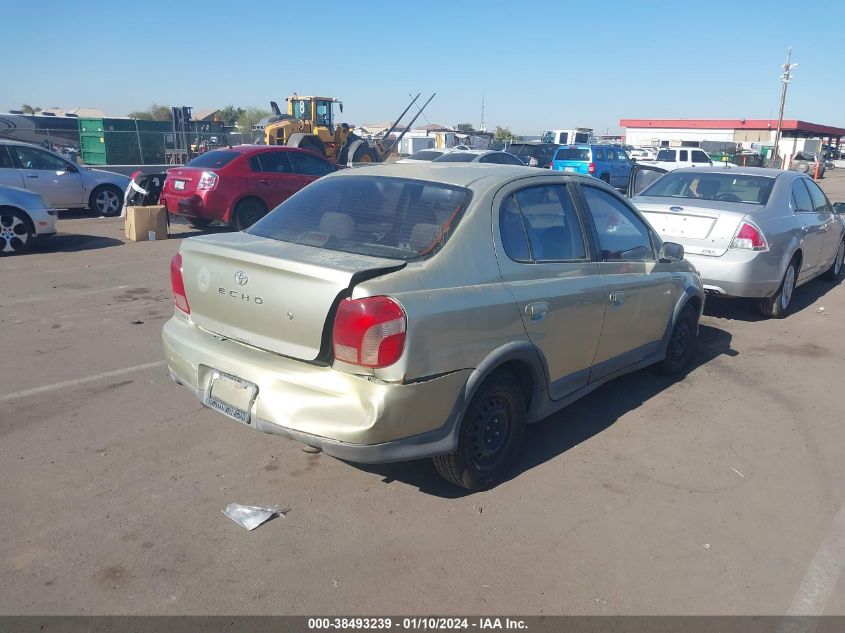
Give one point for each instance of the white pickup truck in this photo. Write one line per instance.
(677, 157)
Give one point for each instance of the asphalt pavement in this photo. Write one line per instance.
(721, 493)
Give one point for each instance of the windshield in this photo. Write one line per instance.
(667, 155)
(456, 157)
(709, 186)
(573, 153)
(217, 158)
(396, 218)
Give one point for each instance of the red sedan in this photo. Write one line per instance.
(240, 184)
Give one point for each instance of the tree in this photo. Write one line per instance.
(504, 134)
(230, 114)
(250, 117)
(28, 109)
(155, 112)
(465, 128)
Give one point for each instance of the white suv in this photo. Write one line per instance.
(62, 183)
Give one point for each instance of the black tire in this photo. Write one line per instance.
(199, 223)
(106, 200)
(605, 178)
(247, 213)
(682, 342)
(832, 273)
(308, 141)
(365, 154)
(491, 431)
(777, 306)
(16, 232)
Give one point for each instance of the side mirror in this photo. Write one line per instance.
(71, 168)
(671, 252)
(839, 207)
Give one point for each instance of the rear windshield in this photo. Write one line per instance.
(524, 149)
(216, 158)
(666, 155)
(396, 218)
(572, 153)
(426, 154)
(709, 186)
(456, 157)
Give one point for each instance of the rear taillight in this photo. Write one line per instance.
(591, 168)
(208, 180)
(369, 332)
(750, 238)
(178, 284)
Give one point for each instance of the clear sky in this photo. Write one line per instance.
(541, 65)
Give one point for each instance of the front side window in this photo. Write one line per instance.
(801, 197)
(5, 158)
(599, 155)
(491, 158)
(395, 218)
(309, 165)
(622, 235)
(540, 224)
(700, 157)
(31, 158)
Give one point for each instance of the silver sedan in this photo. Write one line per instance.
(750, 232)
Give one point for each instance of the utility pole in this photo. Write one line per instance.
(785, 78)
(482, 128)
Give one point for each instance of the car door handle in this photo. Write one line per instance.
(617, 298)
(32, 175)
(537, 311)
(264, 181)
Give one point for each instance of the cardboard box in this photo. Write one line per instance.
(146, 223)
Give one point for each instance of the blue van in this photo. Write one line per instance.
(605, 162)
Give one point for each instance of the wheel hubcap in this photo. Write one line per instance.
(489, 431)
(788, 287)
(107, 202)
(14, 233)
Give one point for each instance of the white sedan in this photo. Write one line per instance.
(62, 183)
(479, 156)
(24, 215)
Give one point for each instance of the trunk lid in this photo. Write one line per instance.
(182, 181)
(703, 227)
(267, 293)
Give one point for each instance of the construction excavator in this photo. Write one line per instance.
(309, 124)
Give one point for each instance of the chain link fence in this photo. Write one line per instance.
(133, 146)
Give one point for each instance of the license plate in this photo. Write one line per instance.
(179, 185)
(568, 169)
(231, 396)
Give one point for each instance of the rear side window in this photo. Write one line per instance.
(801, 197)
(308, 165)
(507, 159)
(622, 235)
(5, 158)
(491, 158)
(271, 162)
(396, 218)
(573, 153)
(684, 156)
(820, 203)
(215, 158)
(540, 224)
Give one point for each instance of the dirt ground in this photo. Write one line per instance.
(719, 493)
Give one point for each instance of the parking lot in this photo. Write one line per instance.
(718, 493)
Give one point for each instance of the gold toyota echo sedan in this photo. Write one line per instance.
(402, 311)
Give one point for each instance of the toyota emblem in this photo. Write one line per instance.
(241, 278)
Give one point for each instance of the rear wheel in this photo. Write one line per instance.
(16, 234)
(682, 341)
(247, 213)
(777, 305)
(491, 431)
(832, 273)
(106, 200)
(199, 223)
